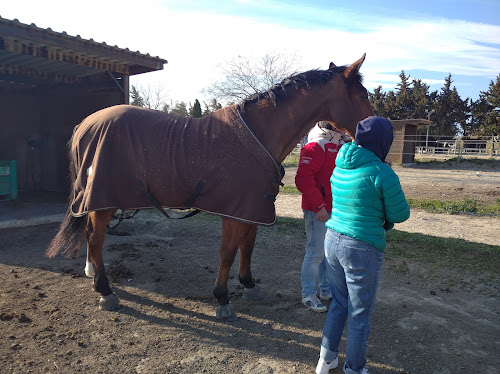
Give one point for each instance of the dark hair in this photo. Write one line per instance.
(301, 80)
(325, 125)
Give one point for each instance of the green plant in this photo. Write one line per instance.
(452, 253)
(455, 207)
(292, 160)
(289, 190)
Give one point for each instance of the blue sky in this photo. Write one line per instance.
(426, 39)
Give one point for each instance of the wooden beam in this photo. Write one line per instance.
(51, 39)
(17, 71)
(53, 54)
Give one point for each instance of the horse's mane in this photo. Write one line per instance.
(300, 80)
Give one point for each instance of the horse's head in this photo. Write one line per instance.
(348, 98)
(296, 104)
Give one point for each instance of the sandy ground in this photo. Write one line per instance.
(456, 181)
(425, 320)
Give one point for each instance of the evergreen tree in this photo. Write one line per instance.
(391, 105)
(452, 115)
(485, 118)
(420, 99)
(136, 97)
(377, 101)
(451, 111)
(195, 110)
(404, 102)
(212, 107)
(179, 109)
(431, 104)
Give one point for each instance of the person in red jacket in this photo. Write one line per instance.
(317, 160)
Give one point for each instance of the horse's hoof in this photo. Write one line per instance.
(252, 294)
(226, 313)
(110, 302)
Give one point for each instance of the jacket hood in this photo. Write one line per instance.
(351, 156)
(322, 136)
(375, 134)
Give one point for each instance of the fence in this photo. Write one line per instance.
(444, 147)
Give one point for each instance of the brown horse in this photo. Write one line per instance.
(276, 120)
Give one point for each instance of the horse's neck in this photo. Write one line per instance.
(280, 128)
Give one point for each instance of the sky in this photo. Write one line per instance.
(428, 39)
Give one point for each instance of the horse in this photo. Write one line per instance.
(269, 125)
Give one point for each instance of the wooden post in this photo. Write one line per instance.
(459, 141)
(427, 138)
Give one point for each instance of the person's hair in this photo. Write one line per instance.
(325, 125)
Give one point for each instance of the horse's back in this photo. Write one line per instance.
(122, 114)
(211, 163)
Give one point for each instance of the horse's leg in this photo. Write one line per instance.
(95, 232)
(251, 290)
(89, 268)
(231, 236)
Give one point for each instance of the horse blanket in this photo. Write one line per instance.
(214, 163)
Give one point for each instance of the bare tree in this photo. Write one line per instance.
(245, 76)
(212, 107)
(152, 97)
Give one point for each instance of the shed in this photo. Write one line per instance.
(49, 82)
(405, 137)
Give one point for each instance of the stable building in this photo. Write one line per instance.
(49, 82)
(405, 138)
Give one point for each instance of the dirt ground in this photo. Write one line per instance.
(163, 271)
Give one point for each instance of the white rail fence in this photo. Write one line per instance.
(441, 146)
(444, 147)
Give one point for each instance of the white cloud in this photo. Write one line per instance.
(194, 43)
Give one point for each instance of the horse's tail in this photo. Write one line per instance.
(69, 238)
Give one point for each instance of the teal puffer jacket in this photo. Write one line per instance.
(367, 196)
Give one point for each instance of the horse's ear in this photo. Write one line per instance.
(353, 69)
(332, 66)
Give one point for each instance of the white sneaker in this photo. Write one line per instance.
(365, 371)
(312, 303)
(326, 296)
(324, 367)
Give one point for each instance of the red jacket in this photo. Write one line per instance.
(316, 164)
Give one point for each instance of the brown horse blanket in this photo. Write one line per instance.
(214, 163)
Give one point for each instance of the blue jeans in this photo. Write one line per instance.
(353, 271)
(314, 265)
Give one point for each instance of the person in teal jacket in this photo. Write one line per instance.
(367, 201)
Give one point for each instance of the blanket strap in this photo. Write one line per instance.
(276, 163)
(197, 192)
(282, 174)
(158, 206)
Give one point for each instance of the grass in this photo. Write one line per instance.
(291, 224)
(292, 190)
(292, 160)
(451, 253)
(470, 206)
